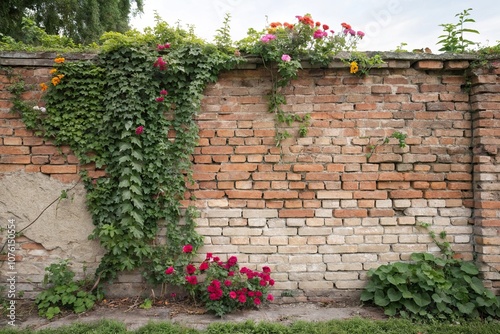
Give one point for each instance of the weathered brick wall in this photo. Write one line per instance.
(318, 210)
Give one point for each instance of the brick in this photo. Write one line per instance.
(377, 194)
(66, 178)
(347, 213)
(405, 194)
(334, 195)
(233, 176)
(278, 194)
(428, 65)
(217, 150)
(308, 168)
(269, 176)
(14, 150)
(294, 213)
(63, 169)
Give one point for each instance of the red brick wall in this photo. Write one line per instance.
(318, 210)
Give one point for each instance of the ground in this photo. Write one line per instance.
(129, 312)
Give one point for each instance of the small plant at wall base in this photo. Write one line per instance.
(431, 288)
(64, 292)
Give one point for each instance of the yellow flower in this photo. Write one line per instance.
(54, 70)
(354, 67)
(55, 81)
(43, 87)
(59, 60)
(60, 76)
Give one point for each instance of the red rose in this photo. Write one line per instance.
(203, 266)
(139, 130)
(190, 269)
(187, 248)
(169, 270)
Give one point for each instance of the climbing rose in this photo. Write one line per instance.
(286, 58)
(169, 270)
(232, 294)
(203, 266)
(270, 297)
(267, 38)
(190, 269)
(160, 99)
(187, 248)
(256, 301)
(242, 298)
(318, 34)
(163, 92)
(192, 280)
(139, 130)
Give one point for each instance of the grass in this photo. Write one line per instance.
(350, 326)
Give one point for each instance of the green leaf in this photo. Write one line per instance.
(381, 299)
(422, 299)
(466, 308)
(394, 295)
(469, 268)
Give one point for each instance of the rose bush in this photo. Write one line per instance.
(221, 286)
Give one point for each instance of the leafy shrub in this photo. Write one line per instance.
(64, 292)
(431, 288)
(222, 287)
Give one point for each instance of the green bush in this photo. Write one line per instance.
(431, 288)
(64, 292)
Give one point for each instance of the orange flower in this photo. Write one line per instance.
(59, 60)
(346, 26)
(60, 76)
(52, 71)
(276, 24)
(43, 86)
(318, 24)
(55, 81)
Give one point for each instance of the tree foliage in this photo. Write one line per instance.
(84, 21)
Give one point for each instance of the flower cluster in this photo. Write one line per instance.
(41, 109)
(161, 47)
(160, 64)
(222, 286)
(306, 38)
(161, 98)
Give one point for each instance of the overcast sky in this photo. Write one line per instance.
(387, 23)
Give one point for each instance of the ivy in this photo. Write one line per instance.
(135, 119)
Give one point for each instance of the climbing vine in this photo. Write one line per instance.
(131, 112)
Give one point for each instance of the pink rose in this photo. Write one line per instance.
(286, 58)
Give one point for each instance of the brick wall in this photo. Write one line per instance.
(319, 211)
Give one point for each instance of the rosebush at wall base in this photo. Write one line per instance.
(222, 287)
